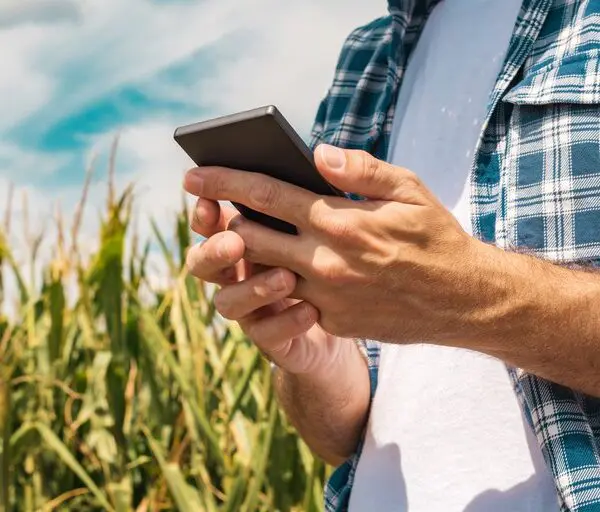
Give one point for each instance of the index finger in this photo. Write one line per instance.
(257, 191)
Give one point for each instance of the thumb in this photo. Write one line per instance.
(360, 173)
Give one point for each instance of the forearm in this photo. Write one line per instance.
(546, 320)
(329, 410)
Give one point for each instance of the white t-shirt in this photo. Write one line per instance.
(446, 432)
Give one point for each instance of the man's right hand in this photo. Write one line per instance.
(284, 329)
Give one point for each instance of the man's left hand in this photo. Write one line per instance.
(396, 267)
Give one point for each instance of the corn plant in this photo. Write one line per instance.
(117, 394)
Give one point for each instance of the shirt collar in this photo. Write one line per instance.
(410, 5)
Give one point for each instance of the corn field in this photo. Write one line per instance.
(120, 395)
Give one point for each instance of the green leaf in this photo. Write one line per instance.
(261, 458)
(55, 303)
(156, 341)
(185, 496)
(106, 273)
(164, 247)
(183, 233)
(243, 385)
(100, 347)
(116, 381)
(286, 475)
(123, 494)
(57, 446)
(7, 254)
(5, 426)
(235, 497)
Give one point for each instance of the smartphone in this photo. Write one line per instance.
(258, 140)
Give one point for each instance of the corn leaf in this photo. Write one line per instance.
(5, 426)
(160, 346)
(57, 446)
(185, 496)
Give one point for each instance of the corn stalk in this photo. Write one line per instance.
(119, 394)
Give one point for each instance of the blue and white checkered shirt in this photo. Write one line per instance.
(535, 183)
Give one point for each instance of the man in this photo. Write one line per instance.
(470, 129)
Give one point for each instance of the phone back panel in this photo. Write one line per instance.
(261, 141)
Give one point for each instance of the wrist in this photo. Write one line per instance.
(329, 405)
(344, 377)
(521, 297)
(505, 291)
(341, 355)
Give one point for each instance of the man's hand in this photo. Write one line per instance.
(284, 329)
(396, 267)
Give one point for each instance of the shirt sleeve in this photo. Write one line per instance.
(371, 350)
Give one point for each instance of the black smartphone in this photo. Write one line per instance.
(258, 140)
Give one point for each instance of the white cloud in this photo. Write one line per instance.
(27, 165)
(28, 87)
(16, 12)
(291, 61)
(56, 69)
(278, 52)
(291, 65)
(65, 67)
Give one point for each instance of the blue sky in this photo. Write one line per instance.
(77, 72)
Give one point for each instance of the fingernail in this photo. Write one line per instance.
(334, 157)
(199, 216)
(276, 281)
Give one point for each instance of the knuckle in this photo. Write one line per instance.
(214, 185)
(339, 226)
(416, 226)
(410, 184)
(333, 273)
(410, 178)
(319, 215)
(265, 196)
(220, 185)
(223, 306)
(370, 166)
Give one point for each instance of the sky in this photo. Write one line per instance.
(75, 73)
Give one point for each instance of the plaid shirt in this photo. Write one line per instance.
(535, 184)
